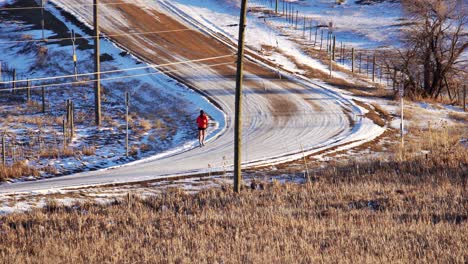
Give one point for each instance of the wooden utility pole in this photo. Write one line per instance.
(127, 105)
(276, 7)
(238, 103)
(352, 60)
(97, 65)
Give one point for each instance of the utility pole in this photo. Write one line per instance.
(352, 60)
(238, 103)
(97, 66)
(276, 7)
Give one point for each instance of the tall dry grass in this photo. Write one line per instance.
(414, 210)
(16, 170)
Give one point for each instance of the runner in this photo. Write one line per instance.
(202, 122)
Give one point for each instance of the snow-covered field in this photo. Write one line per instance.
(165, 104)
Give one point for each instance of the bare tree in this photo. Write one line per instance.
(434, 41)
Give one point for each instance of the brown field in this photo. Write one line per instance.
(414, 210)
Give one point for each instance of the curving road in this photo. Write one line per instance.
(281, 116)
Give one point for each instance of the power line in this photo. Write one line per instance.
(112, 78)
(123, 70)
(93, 37)
(73, 5)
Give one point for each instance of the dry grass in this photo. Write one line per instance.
(55, 153)
(88, 150)
(145, 125)
(18, 169)
(379, 212)
(461, 117)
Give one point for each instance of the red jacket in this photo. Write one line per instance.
(202, 121)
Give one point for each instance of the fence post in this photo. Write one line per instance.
(43, 99)
(297, 17)
(303, 30)
(316, 31)
(127, 104)
(342, 53)
(64, 130)
(334, 47)
(464, 98)
(14, 80)
(321, 39)
(3, 150)
(328, 42)
(373, 68)
(29, 90)
(360, 62)
(72, 119)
